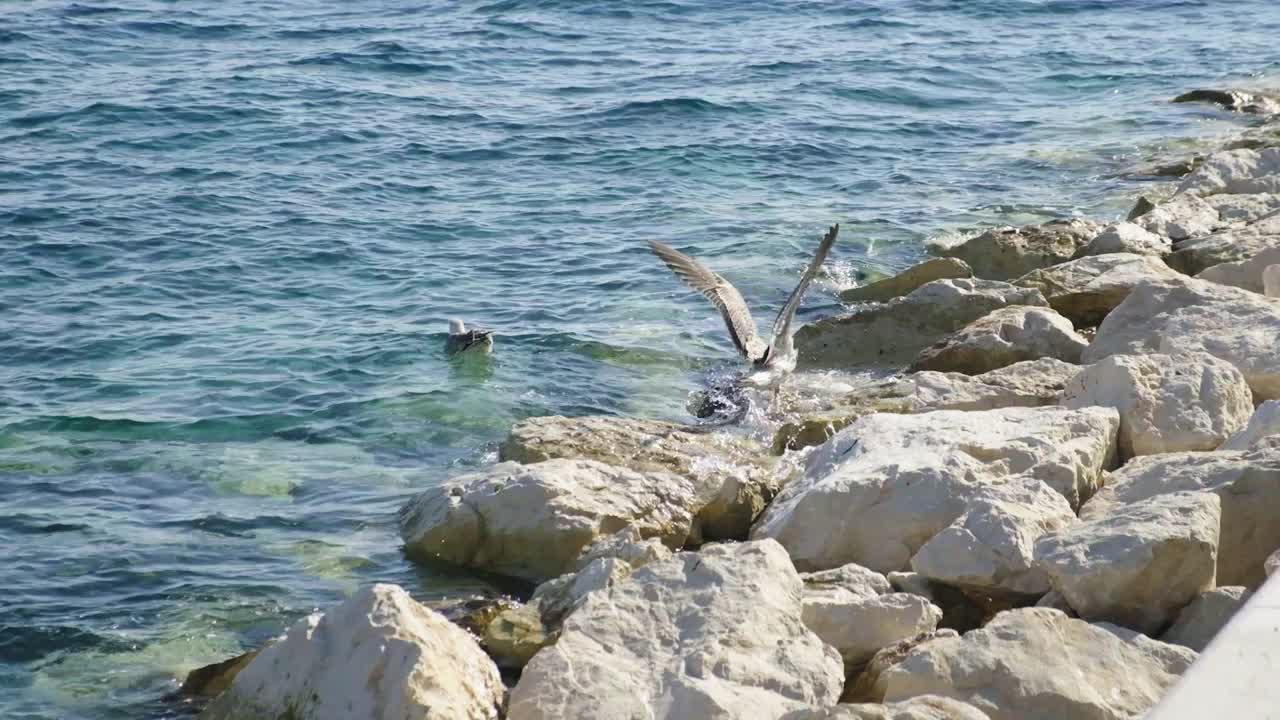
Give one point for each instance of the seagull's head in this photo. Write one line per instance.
(456, 327)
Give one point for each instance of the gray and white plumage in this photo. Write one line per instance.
(462, 340)
(778, 351)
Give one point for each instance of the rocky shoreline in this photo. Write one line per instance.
(1053, 506)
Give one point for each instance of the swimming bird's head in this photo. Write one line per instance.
(456, 327)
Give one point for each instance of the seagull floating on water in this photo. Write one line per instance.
(775, 357)
(462, 340)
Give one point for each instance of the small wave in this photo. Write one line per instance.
(29, 643)
(672, 106)
(373, 62)
(12, 36)
(78, 10)
(185, 30)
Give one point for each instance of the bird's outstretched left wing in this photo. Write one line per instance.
(782, 325)
(721, 293)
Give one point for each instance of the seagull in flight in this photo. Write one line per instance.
(776, 357)
(462, 340)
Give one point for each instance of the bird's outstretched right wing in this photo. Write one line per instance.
(721, 293)
(782, 325)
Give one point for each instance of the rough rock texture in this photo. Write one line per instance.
(1126, 237)
(1235, 244)
(991, 546)
(1248, 484)
(1265, 422)
(1006, 336)
(923, 707)
(869, 686)
(1167, 403)
(1241, 171)
(1024, 384)
(1244, 208)
(1006, 253)
(747, 476)
(908, 280)
(1180, 218)
(1038, 663)
(532, 521)
(1246, 274)
(855, 610)
(379, 655)
(888, 483)
(1085, 290)
(1271, 281)
(1245, 101)
(211, 680)
(1205, 616)
(715, 633)
(892, 333)
(1139, 565)
(1238, 326)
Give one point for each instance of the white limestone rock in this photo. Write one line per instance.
(1205, 616)
(1005, 336)
(1129, 238)
(908, 280)
(848, 579)
(379, 655)
(1244, 208)
(628, 546)
(1265, 422)
(1247, 483)
(747, 476)
(1235, 244)
(1241, 171)
(1181, 217)
(717, 633)
(1006, 253)
(888, 483)
(1139, 565)
(533, 521)
(893, 333)
(1038, 663)
(1167, 403)
(923, 707)
(1085, 290)
(1189, 315)
(991, 547)
(1246, 274)
(1271, 281)
(860, 626)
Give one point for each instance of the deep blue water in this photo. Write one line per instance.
(231, 234)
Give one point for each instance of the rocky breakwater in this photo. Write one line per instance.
(1060, 486)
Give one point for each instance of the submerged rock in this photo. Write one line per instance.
(1006, 253)
(211, 680)
(1200, 621)
(378, 655)
(888, 483)
(1038, 663)
(1247, 483)
(717, 633)
(533, 521)
(1002, 338)
(746, 475)
(1244, 101)
(908, 280)
(892, 333)
(1188, 315)
(1167, 403)
(1139, 565)
(1085, 290)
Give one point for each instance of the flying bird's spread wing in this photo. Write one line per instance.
(782, 325)
(742, 327)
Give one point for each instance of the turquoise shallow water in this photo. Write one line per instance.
(231, 233)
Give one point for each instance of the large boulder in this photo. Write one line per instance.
(1006, 253)
(888, 483)
(908, 280)
(1039, 663)
(746, 475)
(1025, 384)
(1236, 244)
(1085, 290)
(1167, 403)
(1006, 336)
(379, 655)
(1126, 237)
(1248, 484)
(1180, 218)
(1200, 621)
(1242, 171)
(991, 546)
(854, 610)
(1235, 325)
(923, 707)
(717, 633)
(1265, 422)
(1139, 565)
(1247, 274)
(532, 521)
(892, 333)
